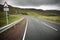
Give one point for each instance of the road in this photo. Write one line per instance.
(32, 28)
(40, 29)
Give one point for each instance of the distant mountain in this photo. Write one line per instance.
(55, 12)
(40, 11)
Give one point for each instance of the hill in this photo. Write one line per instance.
(55, 12)
(15, 10)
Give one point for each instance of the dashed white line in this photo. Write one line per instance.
(49, 26)
(25, 30)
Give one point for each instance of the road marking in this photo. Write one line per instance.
(25, 30)
(49, 26)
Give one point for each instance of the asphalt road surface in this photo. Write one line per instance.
(40, 29)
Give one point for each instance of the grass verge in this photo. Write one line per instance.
(52, 18)
(11, 18)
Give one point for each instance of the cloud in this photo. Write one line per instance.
(35, 3)
(43, 7)
(1, 1)
(48, 7)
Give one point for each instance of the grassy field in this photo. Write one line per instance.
(11, 18)
(52, 15)
(52, 18)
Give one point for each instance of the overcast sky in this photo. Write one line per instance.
(38, 4)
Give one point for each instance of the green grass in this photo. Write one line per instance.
(2, 19)
(11, 18)
(33, 14)
(52, 18)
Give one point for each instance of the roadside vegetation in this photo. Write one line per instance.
(11, 18)
(49, 15)
(52, 18)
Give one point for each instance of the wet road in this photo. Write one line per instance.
(40, 29)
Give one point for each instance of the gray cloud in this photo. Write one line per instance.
(1, 1)
(33, 2)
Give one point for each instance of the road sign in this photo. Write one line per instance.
(6, 9)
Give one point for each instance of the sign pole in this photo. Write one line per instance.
(7, 17)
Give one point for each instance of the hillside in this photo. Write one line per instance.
(15, 10)
(55, 12)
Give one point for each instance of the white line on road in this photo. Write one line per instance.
(25, 30)
(49, 26)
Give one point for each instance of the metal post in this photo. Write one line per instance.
(6, 17)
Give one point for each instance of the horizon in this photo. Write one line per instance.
(43, 7)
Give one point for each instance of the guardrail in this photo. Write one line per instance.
(10, 25)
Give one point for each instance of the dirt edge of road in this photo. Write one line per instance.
(14, 32)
